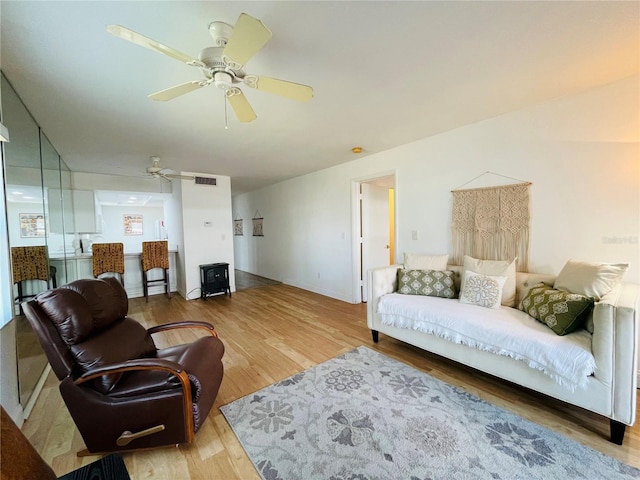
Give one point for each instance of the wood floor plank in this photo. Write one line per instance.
(271, 333)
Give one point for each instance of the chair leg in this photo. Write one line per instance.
(167, 286)
(19, 298)
(52, 273)
(145, 287)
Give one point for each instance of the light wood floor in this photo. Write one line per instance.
(271, 333)
(246, 280)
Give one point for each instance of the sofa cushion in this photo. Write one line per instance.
(414, 261)
(434, 283)
(590, 279)
(499, 268)
(482, 290)
(567, 359)
(562, 312)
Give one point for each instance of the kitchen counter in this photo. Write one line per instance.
(81, 266)
(75, 256)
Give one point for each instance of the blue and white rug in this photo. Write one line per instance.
(365, 416)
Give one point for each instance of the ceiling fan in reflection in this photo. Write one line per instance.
(156, 171)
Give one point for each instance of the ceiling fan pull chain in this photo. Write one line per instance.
(226, 124)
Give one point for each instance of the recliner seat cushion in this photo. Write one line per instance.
(196, 359)
(125, 340)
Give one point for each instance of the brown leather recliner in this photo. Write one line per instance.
(122, 392)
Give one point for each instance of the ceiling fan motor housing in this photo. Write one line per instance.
(212, 58)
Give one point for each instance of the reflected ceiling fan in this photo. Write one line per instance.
(156, 171)
(223, 64)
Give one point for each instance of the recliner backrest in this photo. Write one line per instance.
(83, 325)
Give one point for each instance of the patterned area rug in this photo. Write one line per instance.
(365, 416)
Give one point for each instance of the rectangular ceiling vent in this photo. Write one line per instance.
(205, 181)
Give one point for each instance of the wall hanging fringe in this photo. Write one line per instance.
(492, 223)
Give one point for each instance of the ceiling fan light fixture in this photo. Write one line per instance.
(223, 80)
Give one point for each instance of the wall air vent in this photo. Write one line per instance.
(205, 181)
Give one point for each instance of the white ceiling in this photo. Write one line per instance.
(384, 74)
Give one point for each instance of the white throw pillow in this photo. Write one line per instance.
(498, 268)
(414, 261)
(590, 279)
(482, 290)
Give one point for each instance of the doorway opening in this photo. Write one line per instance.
(374, 228)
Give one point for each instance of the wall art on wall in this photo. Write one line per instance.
(257, 224)
(492, 222)
(132, 224)
(238, 225)
(32, 225)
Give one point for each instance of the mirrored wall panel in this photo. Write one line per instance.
(39, 217)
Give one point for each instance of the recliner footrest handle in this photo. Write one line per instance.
(127, 437)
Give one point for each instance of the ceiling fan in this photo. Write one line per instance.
(223, 64)
(156, 171)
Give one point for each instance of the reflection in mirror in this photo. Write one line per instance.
(27, 219)
(64, 266)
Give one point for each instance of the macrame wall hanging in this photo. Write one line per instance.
(492, 223)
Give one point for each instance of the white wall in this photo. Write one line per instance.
(207, 229)
(173, 211)
(112, 218)
(581, 154)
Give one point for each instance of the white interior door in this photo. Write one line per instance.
(375, 230)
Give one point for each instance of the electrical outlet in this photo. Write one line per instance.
(414, 234)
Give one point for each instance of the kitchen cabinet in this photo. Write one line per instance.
(60, 208)
(86, 212)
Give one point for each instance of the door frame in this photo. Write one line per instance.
(356, 218)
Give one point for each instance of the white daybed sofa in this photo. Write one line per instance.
(609, 391)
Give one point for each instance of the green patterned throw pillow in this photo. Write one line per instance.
(562, 312)
(433, 283)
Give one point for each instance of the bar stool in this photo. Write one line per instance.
(108, 258)
(30, 263)
(155, 255)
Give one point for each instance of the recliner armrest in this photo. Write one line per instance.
(186, 324)
(136, 364)
(151, 364)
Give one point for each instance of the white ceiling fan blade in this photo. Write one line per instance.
(175, 176)
(134, 37)
(173, 92)
(240, 105)
(249, 35)
(295, 91)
